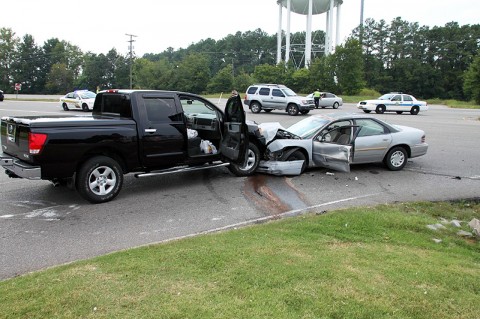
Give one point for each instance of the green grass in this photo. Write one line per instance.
(455, 103)
(372, 262)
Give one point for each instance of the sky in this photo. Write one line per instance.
(98, 26)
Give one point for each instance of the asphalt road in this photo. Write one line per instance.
(43, 226)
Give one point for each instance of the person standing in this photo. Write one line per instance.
(316, 97)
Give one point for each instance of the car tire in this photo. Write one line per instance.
(367, 111)
(335, 105)
(99, 179)
(396, 158)
(255, 107)
(380, 109)
(253, 159)
(65, 107)
(415, 110)
(399, 112)
(297, 156)
(292, 109)
(85, 107)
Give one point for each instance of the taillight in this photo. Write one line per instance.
(36, 141)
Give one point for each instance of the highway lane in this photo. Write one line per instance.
(43, 226)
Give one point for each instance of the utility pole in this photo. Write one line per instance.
(130, 49)
(361, 21)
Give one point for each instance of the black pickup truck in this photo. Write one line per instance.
(130, 131)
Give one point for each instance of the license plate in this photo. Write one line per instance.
(11, 132)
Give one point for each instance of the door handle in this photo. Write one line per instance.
(150, 130)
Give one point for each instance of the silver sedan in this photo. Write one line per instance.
(337, 140)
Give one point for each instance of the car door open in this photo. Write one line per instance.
(333, 149)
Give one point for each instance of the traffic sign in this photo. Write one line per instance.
(18, 86)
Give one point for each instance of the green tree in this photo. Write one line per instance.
(8, 55)
(471, 83)
(349, 67)
(60, 79)
(222, 81)
(25, 68)
(193, 73)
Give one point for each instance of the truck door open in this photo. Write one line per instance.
(234, 143)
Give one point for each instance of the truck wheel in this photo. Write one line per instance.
(292, 109)
(253, 159)
(65, 107)
(255, 107)
(99, 179)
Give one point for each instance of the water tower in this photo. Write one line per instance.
(308, 8)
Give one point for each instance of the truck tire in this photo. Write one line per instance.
(99, 179)
(253, 159)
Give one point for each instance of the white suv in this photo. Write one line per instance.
(270, 97)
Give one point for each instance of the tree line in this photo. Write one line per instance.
(439, 62)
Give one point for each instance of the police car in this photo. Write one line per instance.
(393, 102)
(81, 99)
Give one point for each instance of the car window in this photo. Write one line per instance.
(369, 127)
(277, 92)
(252, 90)
(70, 95)
(332, 132)
(264, 91)
(396, 98)
(289, 92)
(407, 98)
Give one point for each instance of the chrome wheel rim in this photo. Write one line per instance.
(102, 180)
(250, 160)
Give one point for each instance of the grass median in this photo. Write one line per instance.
(369, 262)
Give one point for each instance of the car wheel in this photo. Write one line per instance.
(380, 109)
(85, 107)
(251, 164)
(268, 111)
(396, 158)
(99, 179)
(298, 156)
(255, 107)
(399, 112)
(367, 111)
(335, 105)
(292, 109)
(415, 110)
(65, 107)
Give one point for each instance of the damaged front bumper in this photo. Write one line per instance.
(280, 168)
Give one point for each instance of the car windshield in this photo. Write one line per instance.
(289, 92)
(386, 97)
(87, 95)
(307, 128)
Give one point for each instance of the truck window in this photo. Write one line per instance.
(161, 109)
(113, 104)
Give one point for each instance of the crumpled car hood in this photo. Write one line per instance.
(269, 130)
